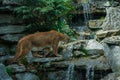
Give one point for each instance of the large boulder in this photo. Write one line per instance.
(95, 24)
(94, 48)
(112, 52)
(112, 19)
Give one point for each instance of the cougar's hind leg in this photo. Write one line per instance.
(24, 51)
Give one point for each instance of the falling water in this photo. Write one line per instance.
(70, 72)
(87, 11)
(87, 15)
(89, 72)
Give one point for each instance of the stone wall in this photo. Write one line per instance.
(11, 27)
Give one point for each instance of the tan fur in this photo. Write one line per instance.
(39, 39)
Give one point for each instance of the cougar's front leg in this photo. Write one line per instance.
(55, 48)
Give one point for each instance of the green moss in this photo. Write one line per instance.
(82, 49)
(24, 61)
(9, 70)
(102, 18)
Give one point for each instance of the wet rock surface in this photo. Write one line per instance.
(12, 37)
(115, 40)
(26, 76)
(94, 48)
(103, 34)
(95, 24)
(3, 73)
(112, 19)
(11, 29)
(113, 56)
(16, 68)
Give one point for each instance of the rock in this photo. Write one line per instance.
(49, 59)
(93, 47)
(103, 34)
(17, 68)
(5, 18)
(4, 58)
(115, 4)
(26, 76)
(110, 76)
(95, 24)
(76, 44)
(11, 2)
(67, 52)
(12, 29)
(1, 1)
(112, 40)
(112, 19)
(112, 52)
(107, 4)
(84, 35)
(8, 18)
(118, 78)
(56, 75)
(99, 4)
(3, 51)
(6, 9)
(3, 73)
(99, 63)
(78, 54)
(69, 48)
(12, 37)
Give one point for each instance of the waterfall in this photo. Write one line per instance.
(70, 72)
(83, 16)
(87, 11)
(89, 72)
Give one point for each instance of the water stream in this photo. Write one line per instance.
(83, 17)
(70, 72)
(89, 72)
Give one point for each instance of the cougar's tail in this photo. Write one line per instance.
(17, 55)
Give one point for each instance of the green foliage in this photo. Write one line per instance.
(102, 18)
(82, 49)
(40, 15)
(9, 70)
(24, 61)
(63, 27)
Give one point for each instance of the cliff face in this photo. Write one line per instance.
(74, 65)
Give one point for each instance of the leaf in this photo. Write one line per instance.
(46, 9)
